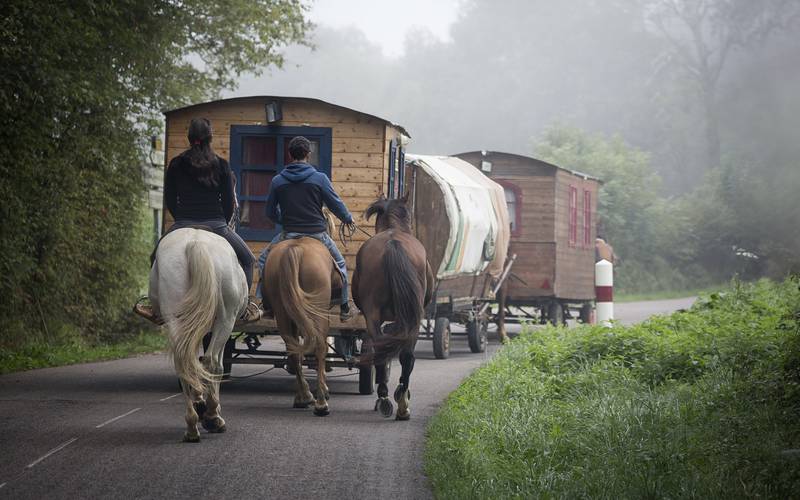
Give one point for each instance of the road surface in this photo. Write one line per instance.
(114, 429)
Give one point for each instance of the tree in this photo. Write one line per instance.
(641, 225)
(82, 84)
(702, 35)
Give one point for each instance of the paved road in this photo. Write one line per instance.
(114, 429)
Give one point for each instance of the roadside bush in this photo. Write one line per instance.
(701, 404)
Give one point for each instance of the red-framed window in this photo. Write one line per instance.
(587, 219)
(513, 195)
(573, 216)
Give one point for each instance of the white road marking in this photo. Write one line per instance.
(117, 418)
(51, 452)
(170, 397)
(1, 485)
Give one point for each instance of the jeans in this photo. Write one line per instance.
(326, 240)
(218, 226)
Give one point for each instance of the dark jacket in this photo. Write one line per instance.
(188, 198)
(296, 197)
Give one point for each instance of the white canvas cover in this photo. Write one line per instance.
(473, 220)
(502, 220)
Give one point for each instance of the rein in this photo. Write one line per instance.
(346, 232)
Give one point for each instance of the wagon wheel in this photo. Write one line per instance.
(477, 334)
(345, 346)
(441, 338)
(366, 380)
(586, 313)
(555, 313)
(227, 353)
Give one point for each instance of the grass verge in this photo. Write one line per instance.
(38, 354)
(700, 404)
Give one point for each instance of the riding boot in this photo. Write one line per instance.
(345, 314)
(147, 313)
(252, 312)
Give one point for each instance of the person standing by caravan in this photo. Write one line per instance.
(295, 200)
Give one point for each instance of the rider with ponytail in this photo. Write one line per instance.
(199, 190)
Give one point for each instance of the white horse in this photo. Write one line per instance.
(197, 286)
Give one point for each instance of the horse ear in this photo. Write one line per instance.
(381, 197)
(404, 199)
(377, 207)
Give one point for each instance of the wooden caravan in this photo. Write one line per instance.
(361, 153)
(553, 215)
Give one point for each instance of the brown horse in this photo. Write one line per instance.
(298, 276)
(392, 282)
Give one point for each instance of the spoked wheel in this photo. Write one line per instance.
(477, 334)
(366, 380)
(586, 313)
(441, 338)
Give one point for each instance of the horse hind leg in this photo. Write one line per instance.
(194, 406)
(403, 392)
(211, 418)
(383, 404)
(378, 359)
(321, 408)
(303, 397)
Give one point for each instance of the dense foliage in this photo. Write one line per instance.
(699, 404)
(81, 86)
(733, 222)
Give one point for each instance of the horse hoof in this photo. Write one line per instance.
(188, 438)
(301, 404)
(214, 426)
(322, 412)
(398, 393)
(200, 408)
(405, 417)
(385, 406)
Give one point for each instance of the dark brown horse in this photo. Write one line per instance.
(392, 282)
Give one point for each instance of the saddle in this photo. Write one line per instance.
(336, 278)
(202, 227)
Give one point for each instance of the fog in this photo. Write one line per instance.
(514, 68)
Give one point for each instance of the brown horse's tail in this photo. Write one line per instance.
(298, 304)
(406, 294)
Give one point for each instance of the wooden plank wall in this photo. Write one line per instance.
(359, 156)
(574, 264)
(534, 241)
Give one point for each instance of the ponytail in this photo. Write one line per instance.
(201, 156)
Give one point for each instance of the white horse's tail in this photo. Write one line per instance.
(195, 316)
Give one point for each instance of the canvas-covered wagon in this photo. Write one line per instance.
(362, 154)
(460, 216)
(553, 218)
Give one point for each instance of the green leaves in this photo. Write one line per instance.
(82, 86)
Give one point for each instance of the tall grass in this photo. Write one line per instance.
(700, 404)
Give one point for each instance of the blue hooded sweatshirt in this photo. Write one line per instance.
(296, 197)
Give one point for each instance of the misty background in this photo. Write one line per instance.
(700, 98)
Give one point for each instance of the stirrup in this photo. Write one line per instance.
(146, 311)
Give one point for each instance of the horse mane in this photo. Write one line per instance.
(390, 214)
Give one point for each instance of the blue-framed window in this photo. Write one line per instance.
(257, 154)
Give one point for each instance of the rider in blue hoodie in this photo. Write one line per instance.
(295, 201)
